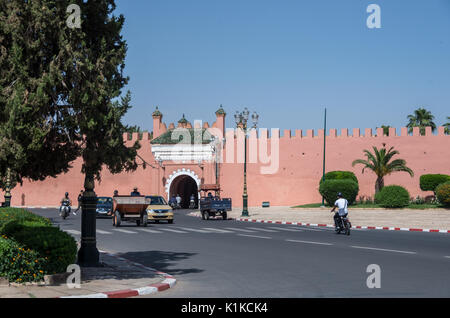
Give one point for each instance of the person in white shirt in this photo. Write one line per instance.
(178, 198)
(342, 205)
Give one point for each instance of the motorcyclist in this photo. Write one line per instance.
(65, 202)
(342, 205)
(178, 198)
(172, 201)
(192, 201)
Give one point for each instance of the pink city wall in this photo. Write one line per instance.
(294, 182)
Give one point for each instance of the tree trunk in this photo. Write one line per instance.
(379, 184)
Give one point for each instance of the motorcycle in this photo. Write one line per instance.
(175, 205)
(192, 205)
(64, 210)
(343, 225)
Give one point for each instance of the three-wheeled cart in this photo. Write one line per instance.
(212, 205)
(130, 209)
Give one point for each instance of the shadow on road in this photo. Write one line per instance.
(162, 261)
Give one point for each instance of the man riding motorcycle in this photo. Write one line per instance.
(342, 205)
(65, 202)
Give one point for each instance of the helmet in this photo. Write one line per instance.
(67, 194)
(339, 195)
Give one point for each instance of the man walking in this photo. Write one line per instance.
(80, 196)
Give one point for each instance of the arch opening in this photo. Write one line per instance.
(185, 186)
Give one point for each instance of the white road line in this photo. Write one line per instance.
(150, 231)
(289, 230)
(74, 232)
(217, 230)
(172, 230)
(241, 230)
(262, 230)
(383, 250)
(447, 256)
(193, 230)
(255, 236)
(103, 232)
(125, 231)
(309, 242)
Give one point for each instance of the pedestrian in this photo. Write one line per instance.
(80, 196)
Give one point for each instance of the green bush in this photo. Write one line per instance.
(340, 175)
(429, 182)
(20, 215)
(392, 196)
(330, 188)
(443, 193)
(56, 246)
(20, 265)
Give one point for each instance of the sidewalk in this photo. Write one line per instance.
(119, 278)
(423, 219)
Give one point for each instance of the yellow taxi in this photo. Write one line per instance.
(159, 210)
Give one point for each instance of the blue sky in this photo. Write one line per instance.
(287, 59)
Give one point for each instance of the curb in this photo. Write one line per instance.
(332, 226)
(167, 283)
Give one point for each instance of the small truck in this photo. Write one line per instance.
(130, 209)
(212, 205)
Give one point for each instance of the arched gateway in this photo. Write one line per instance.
(185, 183)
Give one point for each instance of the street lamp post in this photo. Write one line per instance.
(8, 188)
(241, 122)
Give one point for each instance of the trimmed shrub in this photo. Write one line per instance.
(443, 193)
(56, 246)
(20, 215)
(330, 188)
(392, 196)
(20, 265)
(340, 175)
(429, 182)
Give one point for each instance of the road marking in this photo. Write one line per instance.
(308, 229)
(262, 230)
(255, 236)
(383, 250)
(125, 231)
(447, 256)
(289, 230)
(217, 230)
(241, 230)
(193, 230)
(103, 232)
(150, 231)
(74, 232)
(172, 230)
(309, 242)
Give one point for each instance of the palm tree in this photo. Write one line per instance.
(421, 118)
(385, 129)
(447, 127)
(380, 163)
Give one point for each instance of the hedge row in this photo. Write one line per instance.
(329, 189)
(392, 196)
(18, 264)
(24, 231)
(429, 182)
(443, 193)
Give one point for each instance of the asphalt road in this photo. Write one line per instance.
(229, 259)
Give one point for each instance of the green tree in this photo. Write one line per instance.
(421, 118)
(386, 129)
(447, 126)
(34, 143)
(380, 163)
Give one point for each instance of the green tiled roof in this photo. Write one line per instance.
(166, 138)
(183, 120)
(221, 111)
(157, 112)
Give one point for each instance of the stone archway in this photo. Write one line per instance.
(183, 182)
